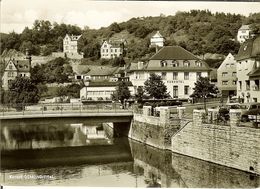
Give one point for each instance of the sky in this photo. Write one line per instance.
(17, 14)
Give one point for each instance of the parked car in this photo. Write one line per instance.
(249, 110)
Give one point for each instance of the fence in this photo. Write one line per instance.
(29, 109)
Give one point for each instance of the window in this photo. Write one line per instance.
(175, 63)
(247, 85)
(186, 75)
(198, 75)
(224, 74)
(175, 75)
(115, 50)
(234, 82)
(224, 82)
(163, 63)
(232, 65)
(227, 65)
(240, 85)
(163, 75)
(186, 89)
(105, 46)
(111, 50)
(186, 63)
(198, 63)
(175, 91)
(10, 67)
(234, 74)
(9, 74)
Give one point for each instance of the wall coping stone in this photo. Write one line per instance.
(199, 111)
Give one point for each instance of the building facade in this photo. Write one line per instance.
(101, 90)
(157, 40)
(178, 68)
(70, 43)
(248, 71)
(112, 49)
(15, 68)
(227, 76)
(243, 33)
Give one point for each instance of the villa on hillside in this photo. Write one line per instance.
(112, 49)
(15, 68)
(70, 47)
(243, 33)
(227, 76)
(157, 40)
(179, 69)
(248, 71)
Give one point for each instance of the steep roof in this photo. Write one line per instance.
(157, 35)
(228, 60)
(73, 37)
(21, 65)
(244, 27)
(249, 49)
(173, 53)
(254, 73)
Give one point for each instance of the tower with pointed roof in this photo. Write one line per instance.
(157, 40)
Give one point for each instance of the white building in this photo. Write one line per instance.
(248, 71)
(178, 68)
(70, 43)
(243, 33)
(70, 47)
(112, 49)
(157, 40)
(101, 90)
(227, 76)
(15, 68)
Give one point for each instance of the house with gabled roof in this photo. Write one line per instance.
(157, 40)
(179, 69)
(248, 71)
(243, 33)
(112, 49)
(227, 76)
(15, 68)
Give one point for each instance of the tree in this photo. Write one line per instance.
(122, 92)
(140, 94)
(22, 90)
(204, 89)
(155, 87)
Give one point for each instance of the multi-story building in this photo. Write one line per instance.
(248, 71)
(157, 40)
(15, 68)
(227, 76)
(178, 68)
(112, 49)
(70, 43)
(243, 33)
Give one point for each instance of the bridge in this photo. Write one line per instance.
(65, 111)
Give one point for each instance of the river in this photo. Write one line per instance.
(78, 152)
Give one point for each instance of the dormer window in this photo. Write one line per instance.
(163, 63)
(186, 63)
(198, 63)
(175, 63)
(10, 67)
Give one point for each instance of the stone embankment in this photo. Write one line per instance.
(231, 145)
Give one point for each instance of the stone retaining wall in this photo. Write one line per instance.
(233, 146)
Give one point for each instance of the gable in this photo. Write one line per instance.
(10, 66)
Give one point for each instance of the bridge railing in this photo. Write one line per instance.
(29, 109)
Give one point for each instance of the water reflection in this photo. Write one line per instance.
(32, 136)
(85, 154)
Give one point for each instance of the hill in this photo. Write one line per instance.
(198, 31)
